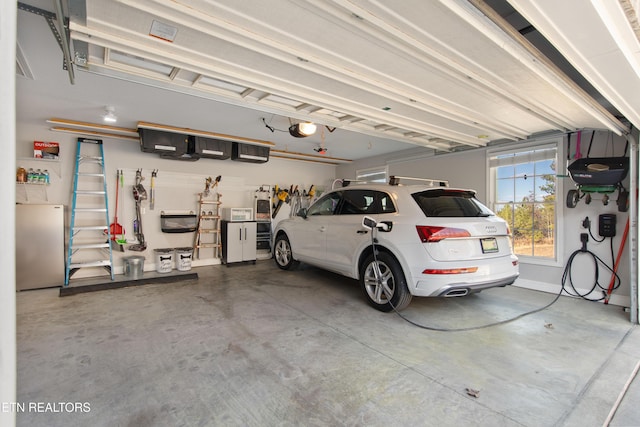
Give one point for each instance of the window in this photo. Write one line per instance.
(372, 174)
(366, 202)
(355, 202)
(326, 205)
(450, 203)
(523, 192)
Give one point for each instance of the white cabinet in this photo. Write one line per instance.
(238, 241)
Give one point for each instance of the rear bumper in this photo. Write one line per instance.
(461, 289)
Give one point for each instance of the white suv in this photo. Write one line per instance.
(440, 242)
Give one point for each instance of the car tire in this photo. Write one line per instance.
(282, 253)
(392, 278)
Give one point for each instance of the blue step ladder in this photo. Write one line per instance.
(89, 230)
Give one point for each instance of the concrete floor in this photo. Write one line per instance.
(250, 345)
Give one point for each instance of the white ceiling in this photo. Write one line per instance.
(447, 74)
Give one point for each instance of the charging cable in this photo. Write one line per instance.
(584, 238)
(378, 276)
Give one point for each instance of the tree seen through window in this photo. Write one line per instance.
(525, 196)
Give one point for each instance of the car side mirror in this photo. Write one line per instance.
(302, 212)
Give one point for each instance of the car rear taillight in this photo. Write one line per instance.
(432, 234)
(450, 270)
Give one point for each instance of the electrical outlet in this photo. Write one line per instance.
(586, 222)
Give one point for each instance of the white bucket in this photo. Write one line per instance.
(183, 258)
(164, 260)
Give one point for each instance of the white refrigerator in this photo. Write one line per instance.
(40, 256)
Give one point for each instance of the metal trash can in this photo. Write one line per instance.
(164, 260)
(134, 266)
(183, 258)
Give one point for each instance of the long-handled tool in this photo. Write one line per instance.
(139, 194)
(617, 263)
(295, 201)
(274, 197)
(115, 227)
(152, 200)
(122, 239)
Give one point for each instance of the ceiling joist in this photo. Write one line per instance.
(437, 74)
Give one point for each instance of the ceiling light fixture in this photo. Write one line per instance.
(109, 115)
(302, 130)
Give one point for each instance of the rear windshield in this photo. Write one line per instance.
(450, 203)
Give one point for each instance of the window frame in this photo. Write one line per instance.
(362, 174)
(556, 142)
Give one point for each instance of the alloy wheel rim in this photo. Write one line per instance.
(375, 290)
(283, 253)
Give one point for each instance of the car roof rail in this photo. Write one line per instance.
(395, 180)
(345, 182)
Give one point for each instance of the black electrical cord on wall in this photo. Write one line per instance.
(596, 284)
(597, 240)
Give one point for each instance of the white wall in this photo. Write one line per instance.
(468, 169)
(7, 190)
(176, 187)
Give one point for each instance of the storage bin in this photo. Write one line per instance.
(178, 223)
(164, 260)
(133, 266)
(212, 148)
(183, 258)
(250, 153)
(166, 143)
(189, 154)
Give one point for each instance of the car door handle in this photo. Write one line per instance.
(362, 231)
(322, 229)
